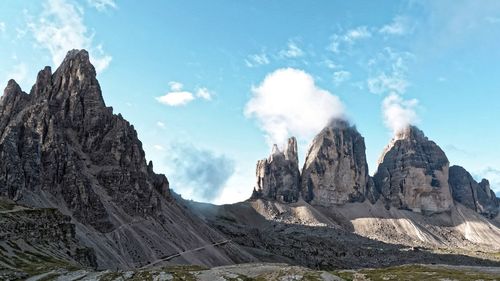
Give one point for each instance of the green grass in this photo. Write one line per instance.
(414, 273)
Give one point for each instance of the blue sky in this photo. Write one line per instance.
(209, 85)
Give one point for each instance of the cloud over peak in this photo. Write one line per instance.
(60, 28)
(288, 102)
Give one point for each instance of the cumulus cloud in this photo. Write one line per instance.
(102, 5)
(60, 28)
(341, 76)
(398, 112)
(197, 173)
(399, 26)
(177, 96)
(292, 51)
(288, 102)
(256, 60)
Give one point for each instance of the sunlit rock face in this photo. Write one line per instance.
(335, 170)
(278, 176)
(477, 196)
(413, 174)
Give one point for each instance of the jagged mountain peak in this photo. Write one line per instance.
(61, 147)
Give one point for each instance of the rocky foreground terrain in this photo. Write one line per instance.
(79, 202)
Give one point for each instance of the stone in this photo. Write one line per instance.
(335, 170)
(62, 147)
(413, 174)
(278, 176)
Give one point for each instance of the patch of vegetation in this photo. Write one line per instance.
(414, 273)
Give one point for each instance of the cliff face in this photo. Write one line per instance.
(413, 174)
(61, 147)
(335, 170)
(477, 196)
(278, 176)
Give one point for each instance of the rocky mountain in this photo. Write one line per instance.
(477, 196)
(62, 148)
(335, 170)
(413, 174)
(278, 176)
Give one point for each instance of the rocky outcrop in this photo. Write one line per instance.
(477, 196)
(278, 176)
(61, 147)
(335, 170)
(39, 228)
(413, 173)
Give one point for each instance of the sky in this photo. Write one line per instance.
(211, 85)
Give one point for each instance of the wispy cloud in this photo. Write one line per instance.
(60, 28)
(292, 51)
(198, 174)
(341, 76)
(288, 102)
(19, 72)
(161, 125)
(399, 26)
(256, 60)
(102, 5)
(178, 97)
(2, 27)
(492, 174)
(349, 38)
(204, 93)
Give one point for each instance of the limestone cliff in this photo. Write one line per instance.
(413, 174)
(335, 170)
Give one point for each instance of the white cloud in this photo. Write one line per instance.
(161, 124)
(292, 51)
(349, 38)
(341, 76)
(159, 147)
(357, 33)
(2, 27)
(60, 28)
(176, 98)
(288, 102)
(19, 72)
(256, 60)
(399, 26)
(387, 83)
(398, 112)
(102, 5)
(389, 68)
(204, 93)
(175, 86)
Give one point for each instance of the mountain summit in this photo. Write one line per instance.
(61, 147)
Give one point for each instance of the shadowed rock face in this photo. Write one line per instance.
(413, 174)
(477, 196)
(60, 146)
(335, 170)
(278, 177)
